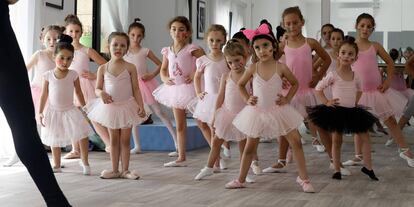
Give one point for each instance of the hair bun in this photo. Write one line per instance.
(264, 21)
(242, 29)
(137, 19)
(349, 38)
(71, 17)
(65, 39)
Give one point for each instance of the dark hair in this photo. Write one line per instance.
(365, 16)
(59, 29)
(394, 54)
(327, 25)
(73, 19)
(234, 48)
(293, 10)
(121, 34)
(272, 39)
(183, 20)
(351, 43)
(337, 30)
(279, 32)
(349, 38)
(64, 43)
(137, 24)
(239, 35)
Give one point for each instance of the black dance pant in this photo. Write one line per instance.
(16, 102)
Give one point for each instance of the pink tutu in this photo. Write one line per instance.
(88, 90)
(302, 99)
(146, 88)
(175, 96)
(408, 93)
(268, 123)
(116, 115)
(64, 125)
(203, 109)
(224, 127)
(384, 105)
(36, 93)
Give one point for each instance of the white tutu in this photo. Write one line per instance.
(203, 109)
(63, 126)
(267, 123)
(116, 115)
(224, 128)
(175, 96)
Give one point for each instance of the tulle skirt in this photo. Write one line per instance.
(116, 115)
(303, 99)
(175, 96)
(224, 128)
(384, 105)
(407, 93)
(341, 119)
(88, 90)
(64, 125)
(203, 109)
(146, 88)
(268, 123)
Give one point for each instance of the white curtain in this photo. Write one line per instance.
(114, 17)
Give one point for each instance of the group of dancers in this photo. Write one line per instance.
(253, 87)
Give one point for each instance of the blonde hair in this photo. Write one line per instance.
(234, 48)
(216, 28)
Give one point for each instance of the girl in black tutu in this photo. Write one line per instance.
(341, 114)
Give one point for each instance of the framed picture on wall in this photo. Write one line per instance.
(57, 4)
(201, 18)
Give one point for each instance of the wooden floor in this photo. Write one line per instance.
(161, 186)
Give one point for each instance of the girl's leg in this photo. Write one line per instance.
(137, 144)
(114, 135)
(336, 154)
(293, 137)
(74, 153)
(357, 160)
(295, 142)
(181, 127)
(249, 151)
(103, 134)
(205, 130)
(125, 147)
(214, 151)
(396, 133)
(56, 153)
(242, 145)
(366, 149)
(167, 122)
(84, 151)
(326, 141)
(283, 149)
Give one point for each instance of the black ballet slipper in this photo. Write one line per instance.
(370, 173)
(337, 176)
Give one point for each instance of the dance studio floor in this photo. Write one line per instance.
(161, 186)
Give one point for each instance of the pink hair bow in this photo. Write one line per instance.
(263, 29)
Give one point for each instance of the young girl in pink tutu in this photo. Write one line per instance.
(138, 55)
(298, 52)
(87, 78)
(340, 113)
(229, 104)
(177, 73)
(211, 68)
(120, 106)
(268, 113)
(384, 102)
(41, 61)
(62, 121)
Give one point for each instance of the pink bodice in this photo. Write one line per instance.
(182, 64)
(118, 87)
(366, 67)
(299, 61)
(212, 72)
(80, 61)
(139, 59)
(44, 63)
(61, 90)
(266, 91)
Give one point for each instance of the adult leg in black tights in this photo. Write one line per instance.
(17, 105)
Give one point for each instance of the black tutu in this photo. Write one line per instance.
(341, 119)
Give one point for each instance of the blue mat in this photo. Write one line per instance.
(155, 137)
